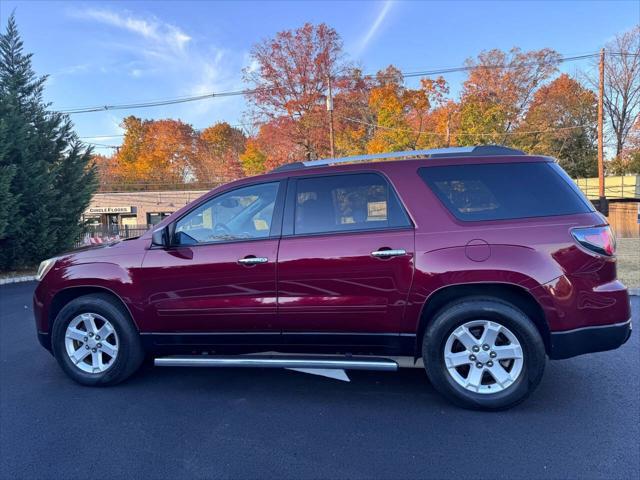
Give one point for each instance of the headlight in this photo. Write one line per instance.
(44, 267)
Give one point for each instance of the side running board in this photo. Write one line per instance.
(279, 361)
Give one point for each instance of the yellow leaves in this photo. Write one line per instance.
(388, 103)
(253, 159)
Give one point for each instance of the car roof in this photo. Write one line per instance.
(385, 161)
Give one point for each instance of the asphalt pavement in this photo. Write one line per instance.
(582, 422)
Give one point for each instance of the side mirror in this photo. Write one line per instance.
(160, 237)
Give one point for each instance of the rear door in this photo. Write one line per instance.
(346, 258)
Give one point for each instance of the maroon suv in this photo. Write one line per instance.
(477, 263)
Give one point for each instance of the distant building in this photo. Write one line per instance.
(135, 209)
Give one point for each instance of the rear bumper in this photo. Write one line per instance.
(600, 338)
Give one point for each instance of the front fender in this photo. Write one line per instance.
(73, 274)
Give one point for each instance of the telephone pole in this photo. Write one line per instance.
(330, 110)
(602, 200)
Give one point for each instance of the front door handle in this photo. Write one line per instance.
(389, 253)
(251, 260)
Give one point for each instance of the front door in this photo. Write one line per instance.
(221, 274)
(345, 262)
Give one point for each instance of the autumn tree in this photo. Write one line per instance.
(628, 162)
(621, 85)
(498, 91)
(353, 119)
(443, 122)
(421, 106)
(157, 152)
(131, 149)
(274, 139)
(562, 119)
(221, 146)
(387, 103)
(289, 78)
(253, 159)
(108, 169)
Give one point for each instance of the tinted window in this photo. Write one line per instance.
(346, 202)
(502, 191)
(244, 213)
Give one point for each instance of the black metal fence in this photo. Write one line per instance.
(97, 234)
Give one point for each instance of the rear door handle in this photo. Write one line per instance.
(389, 253)
(251, 260)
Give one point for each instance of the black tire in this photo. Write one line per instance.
(486, 308)
(130, 352)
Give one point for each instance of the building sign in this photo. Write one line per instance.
(98, 210)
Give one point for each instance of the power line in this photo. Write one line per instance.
(409, 130)
(159, 103)
(120, 135)
(173, 101)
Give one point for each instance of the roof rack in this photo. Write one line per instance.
(475, 151)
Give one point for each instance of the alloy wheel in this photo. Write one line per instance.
(483, 356)
(91, 343)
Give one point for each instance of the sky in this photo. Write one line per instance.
(101, 53)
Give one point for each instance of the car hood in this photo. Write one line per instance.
(106, 250)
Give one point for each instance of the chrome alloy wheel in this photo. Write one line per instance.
(91, 343)
(483, 356)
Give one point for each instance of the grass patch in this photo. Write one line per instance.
(628, 253)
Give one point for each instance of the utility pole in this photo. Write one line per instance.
(448, 132)
(603, 207)
(330, 110)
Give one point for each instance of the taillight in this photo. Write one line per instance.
(597, 239)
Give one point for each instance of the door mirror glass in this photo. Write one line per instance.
(160, 237)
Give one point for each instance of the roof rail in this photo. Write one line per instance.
(475, 151)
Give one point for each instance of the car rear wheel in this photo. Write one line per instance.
(95, 342)
(483, 353)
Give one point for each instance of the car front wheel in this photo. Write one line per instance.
(483, 353)
(95, 342)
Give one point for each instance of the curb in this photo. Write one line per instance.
(25, 278)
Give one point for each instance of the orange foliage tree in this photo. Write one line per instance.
(498, 91)
(507, 98)
(219, 156)
(562, 122)
(289, 77)
(156, 152)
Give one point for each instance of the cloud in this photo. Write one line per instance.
(152, 29)
(373, 29)
(179, 63)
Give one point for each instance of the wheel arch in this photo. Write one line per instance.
(511, 293)
(64, 296)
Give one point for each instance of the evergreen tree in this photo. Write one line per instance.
(7, 200)
(49, 172)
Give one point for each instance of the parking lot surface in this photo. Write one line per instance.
(582, 422)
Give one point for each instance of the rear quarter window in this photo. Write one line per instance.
(502, 191)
